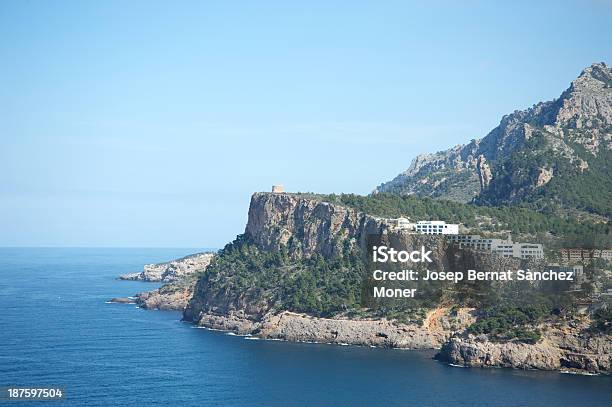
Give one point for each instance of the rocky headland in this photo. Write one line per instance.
(179, 276)
(277, 219)
(171, 271)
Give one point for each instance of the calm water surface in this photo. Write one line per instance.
(57, 329)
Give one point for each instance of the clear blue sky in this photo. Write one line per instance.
(128, 123)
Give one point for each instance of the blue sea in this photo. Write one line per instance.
(58, 330)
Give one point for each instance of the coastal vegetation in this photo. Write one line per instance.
(310, 284)
(517, 220)
(518, 323)
(328, 287)
(589, 190)
(602, 320)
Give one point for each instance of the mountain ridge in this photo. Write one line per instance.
(563, 137)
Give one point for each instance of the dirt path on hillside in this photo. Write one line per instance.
(432, 320)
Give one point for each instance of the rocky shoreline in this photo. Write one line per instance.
(568, 347)
(295, 327)
(553, 353)
(562, 348)
(169, 297)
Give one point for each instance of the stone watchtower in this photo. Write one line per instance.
(278, 189)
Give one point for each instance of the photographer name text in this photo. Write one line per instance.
(383, 254)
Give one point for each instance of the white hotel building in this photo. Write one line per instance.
(424, 227)
(436, 227)
(505, 248)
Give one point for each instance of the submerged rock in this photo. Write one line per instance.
(123, 300)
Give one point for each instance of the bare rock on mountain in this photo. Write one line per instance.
(484, 172)
(544, 177)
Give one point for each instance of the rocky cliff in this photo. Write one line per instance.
(533, 155)
(306, 225)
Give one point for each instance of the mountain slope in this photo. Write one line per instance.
(555, 153)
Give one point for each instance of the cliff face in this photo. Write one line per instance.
(308, 226)
(529, 155)
(305, 225)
